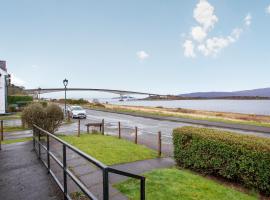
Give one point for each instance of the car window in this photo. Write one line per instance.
(76, 108)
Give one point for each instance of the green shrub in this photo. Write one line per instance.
(236, 157)
(48, 118)
(73, 101)
(16, 99)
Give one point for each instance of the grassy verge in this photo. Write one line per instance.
(110, 150)
(16, 140)
(14, 128)
(12, 116)
(177, 184)
(182, 115)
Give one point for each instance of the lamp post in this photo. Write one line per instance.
(65, 82)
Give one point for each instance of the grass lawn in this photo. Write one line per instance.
(175, 184)
(110, 150)
(14, 128)
(16, 140)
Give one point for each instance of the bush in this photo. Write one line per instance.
(239, 158)
(73, 101)
(16, 99)
(48, 118)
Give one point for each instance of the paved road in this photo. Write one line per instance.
(146, 125)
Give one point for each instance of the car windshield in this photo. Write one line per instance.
(77, 108)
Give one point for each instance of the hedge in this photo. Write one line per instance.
(236, 157)
(19, 99)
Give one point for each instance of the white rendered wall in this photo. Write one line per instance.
(2, 92)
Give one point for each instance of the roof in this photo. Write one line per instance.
(3, 65)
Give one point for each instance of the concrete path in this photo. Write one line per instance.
(23, 177)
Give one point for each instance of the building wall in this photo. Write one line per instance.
(2, 91)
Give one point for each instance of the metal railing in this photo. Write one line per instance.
(39, 132)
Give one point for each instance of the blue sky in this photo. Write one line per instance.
(138, 45)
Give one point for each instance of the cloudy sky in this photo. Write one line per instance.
(152, 46)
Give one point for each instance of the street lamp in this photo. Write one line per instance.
(65, 82)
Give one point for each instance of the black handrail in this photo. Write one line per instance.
(66, 172)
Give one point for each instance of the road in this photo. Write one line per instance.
(145, 125)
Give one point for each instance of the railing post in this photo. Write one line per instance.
(136, 135)
(105, 184)
(87, 129)
(79, 127)
(39, 151)
(103, 124)
(159, 144)
(64, 171)
(1, 130)
(143, 188)
(34, 138)
(119, 130)
(48, 153)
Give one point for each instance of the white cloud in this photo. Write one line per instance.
(268, 9)
(248, 19)
(189, 49)
(198, 39)
(17, 81)
(198, 33)
(142, 55)
(237, 32)
(204, 15)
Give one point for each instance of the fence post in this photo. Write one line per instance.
(159, 143)
(2, 130)
(119, 130)
(87, 128)
(68, 113)
(103, 124)
(136, 135)
(79, 127)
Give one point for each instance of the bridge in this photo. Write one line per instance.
(39, 91)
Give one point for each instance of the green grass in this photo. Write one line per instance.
(212, 119)
(16, 140)
(14, 128)
(174, 184)
(110, 150)
(12, 116)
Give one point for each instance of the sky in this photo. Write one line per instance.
(157, 46)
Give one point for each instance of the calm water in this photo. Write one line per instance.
(259, 107)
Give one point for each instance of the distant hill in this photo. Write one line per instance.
(262, 92)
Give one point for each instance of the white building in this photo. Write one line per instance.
(3, 95)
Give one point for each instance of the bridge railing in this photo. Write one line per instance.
(39, 133)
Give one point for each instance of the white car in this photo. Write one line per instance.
(77, 112)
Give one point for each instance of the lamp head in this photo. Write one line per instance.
(65, 82)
